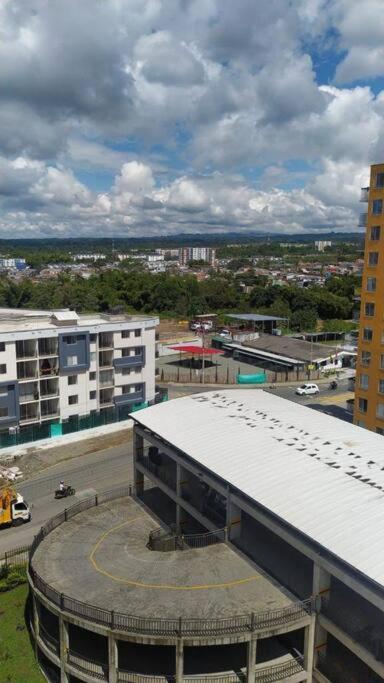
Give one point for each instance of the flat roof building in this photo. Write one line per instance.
(301, 494)
(57, 365)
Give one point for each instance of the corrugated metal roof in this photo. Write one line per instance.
(323, 476)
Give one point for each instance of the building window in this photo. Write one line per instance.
(369, 309)
(373, 258)
(138, 387)
(377, 207)
(379, 180)
(125, 371)
(92, 395)
(361, 423)
(380, 411)
(3, 368)
(71, 361)
(70, 339)
(375, 233)
(92, 338)
(381, 386)
(92, 356)
(364, 381)
(380, 430)
(92, 376)
(137, 333)
(363, 405)
(2, 346)
(382, 362)
(137, 371)
(125, 352)
(125, 334)
(72, 379)
(365, 358)
(371, 284)
(73, 399)
(4, 412)
(367, 334)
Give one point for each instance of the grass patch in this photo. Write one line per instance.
(17, 659)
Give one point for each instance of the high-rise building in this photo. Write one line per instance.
(58, 365)
(369, 394)
(206, 254)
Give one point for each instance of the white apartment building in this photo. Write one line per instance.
(206, 254)
(56, 365)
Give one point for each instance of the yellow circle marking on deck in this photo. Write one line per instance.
(165, 586)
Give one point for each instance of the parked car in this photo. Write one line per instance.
(307, 390)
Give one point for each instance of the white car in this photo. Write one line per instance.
(307, 390)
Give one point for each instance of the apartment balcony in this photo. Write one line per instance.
(29, 412)
(49, 388)
(48, 347)
(106, 359)
(364, 195)
(27, 370)
(130, 361)
(49, 408)
(363, 220)
(106, 397)
(26, 349)
(106, 340)
(106, 378)
(29, 392)
(48, 368)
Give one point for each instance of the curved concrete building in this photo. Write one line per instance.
(249, 548)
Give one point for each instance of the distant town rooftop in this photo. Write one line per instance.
(322, 476)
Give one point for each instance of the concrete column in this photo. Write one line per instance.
(64, 647)
(309, 643)
(233, 519)
(138, 451)
(113, 659)
(179, 665)
(321, 590)
(251, 659)
(35, 616)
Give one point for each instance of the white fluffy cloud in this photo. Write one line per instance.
(194, 115)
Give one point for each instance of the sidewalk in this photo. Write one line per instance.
(38, 455)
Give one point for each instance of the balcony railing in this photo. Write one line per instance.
(48, 372)
(88, 666)
(26, 398)
(364, 196)
(49, 640)
(363, 220)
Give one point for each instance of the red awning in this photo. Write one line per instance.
(195, 349)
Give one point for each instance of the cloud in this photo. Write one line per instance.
(196, 116)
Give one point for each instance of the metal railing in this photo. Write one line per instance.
(162, 540)
(279, 672)
(128, 623)
(363, 220)
(17, 557)
(133, 677)
(364, 194)
(88, 666)
(160, 471)
(49, 640)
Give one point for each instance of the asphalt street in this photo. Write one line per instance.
(88, 474)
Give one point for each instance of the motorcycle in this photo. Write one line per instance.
(333, 385)
(65, 492)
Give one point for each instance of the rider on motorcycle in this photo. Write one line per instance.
(61, 486)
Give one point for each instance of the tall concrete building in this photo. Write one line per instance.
(57, 365)
(206, 254)
(369, 397)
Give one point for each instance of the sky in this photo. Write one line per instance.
(154, 117)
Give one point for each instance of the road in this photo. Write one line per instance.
(88, 474)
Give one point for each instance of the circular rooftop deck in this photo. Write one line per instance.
(101, 556)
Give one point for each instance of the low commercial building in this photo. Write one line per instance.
(58, 365)
(277, 353)
(300, 493)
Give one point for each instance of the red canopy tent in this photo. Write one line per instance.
(200, 350)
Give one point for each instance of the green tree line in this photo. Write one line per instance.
(183, 296)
